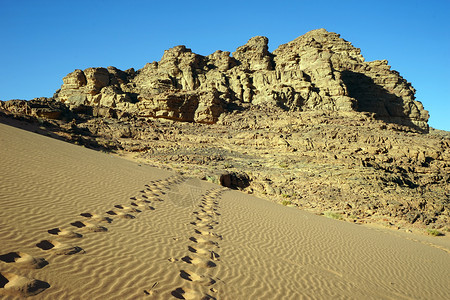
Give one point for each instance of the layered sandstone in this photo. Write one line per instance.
(318, 71)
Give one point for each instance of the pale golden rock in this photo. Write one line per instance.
(255, 55)
(318, 71)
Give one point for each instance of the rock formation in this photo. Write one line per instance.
(38, 107)
(310, 125)
(317, 71)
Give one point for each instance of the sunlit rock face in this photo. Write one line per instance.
(317, 71)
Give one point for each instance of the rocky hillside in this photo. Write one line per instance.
(317, 71)
(311, 125)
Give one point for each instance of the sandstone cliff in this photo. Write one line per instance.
(317, 71)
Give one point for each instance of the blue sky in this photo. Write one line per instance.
(42, 41)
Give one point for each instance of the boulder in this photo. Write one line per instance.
(234, 180)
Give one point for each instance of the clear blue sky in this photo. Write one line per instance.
(42, 41)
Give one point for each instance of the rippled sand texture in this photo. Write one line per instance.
(80, 224)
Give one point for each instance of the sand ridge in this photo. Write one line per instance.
(79, 224)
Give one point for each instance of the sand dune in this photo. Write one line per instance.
(80, 224)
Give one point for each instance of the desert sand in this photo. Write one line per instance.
(81, 224)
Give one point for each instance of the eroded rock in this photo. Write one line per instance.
(318, 71)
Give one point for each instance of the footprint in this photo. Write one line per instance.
(207, 206)
(142, 205)
(211, 211)
(127, 208)
(154, 192)
(197, 261)
(188, 294)
(96, 217)
(202, 224)
(191, 276)
(156, 199)
(152, 291)
(208, 253)
(64, 233)
(209, 233)
(201, 240)
(203, 214)
(58, 248)
(150, 186)
(120, 214)
(153, 197)
(141, 196)
(17, 285)
(141, 199)
(210, 205)
(24, 260)
(211, 196)
(207, 221)
(89, 226)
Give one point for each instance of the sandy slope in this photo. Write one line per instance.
(150, 234)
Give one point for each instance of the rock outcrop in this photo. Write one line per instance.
(318, 71)
(38, 107)
(97, 87)
(310, 125)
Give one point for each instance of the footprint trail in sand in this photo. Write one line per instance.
(16, 285)
(201, 262)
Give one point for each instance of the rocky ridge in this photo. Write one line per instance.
(311, 125)
(317, 71)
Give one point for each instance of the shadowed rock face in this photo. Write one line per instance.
(318, 71)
